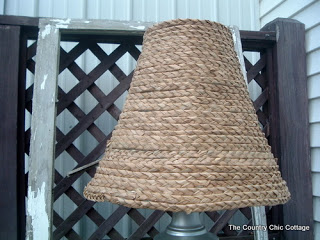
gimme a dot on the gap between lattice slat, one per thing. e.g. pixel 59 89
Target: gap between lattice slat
pixel 109 223
pixel 115 111
pixel 31 50
pixel 114 68
pixel 93 89
pixel 62 186
pixel 255 69
pixel 262 117
pixel 67 58
pixel 78 199
pixel 73 218
pixel 222 220
pixel 139 219
pixel 57 220
pixel 87 80
pixel 214 216
pixel 146 225
pixel 258 77
pixel 93 115
pixel 261 100
pixel 134 52
pixel 79 114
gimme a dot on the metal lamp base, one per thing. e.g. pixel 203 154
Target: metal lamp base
pixel 186 227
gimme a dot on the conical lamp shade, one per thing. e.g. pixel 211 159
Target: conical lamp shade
pixel 188 138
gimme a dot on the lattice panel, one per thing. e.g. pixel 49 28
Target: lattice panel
pixel 86 122
pixel 257 72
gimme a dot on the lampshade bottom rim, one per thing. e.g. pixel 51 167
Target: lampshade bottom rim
pixel 188 208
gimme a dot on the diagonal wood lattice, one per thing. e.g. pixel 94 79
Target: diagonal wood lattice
pixel 86 122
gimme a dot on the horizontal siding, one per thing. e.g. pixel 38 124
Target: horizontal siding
pixel 286 9
pixel 317 230
pixel 309 16
pixel 267 6
pixel 29 7
pixel 1 6
pixel 241 13
pixel 313 66
pixel 314 113
pixel 313 38
pixel 316 216
pixel 315 188
pixel 307 12
pixel 314 137
pixel 11 8
pixel 315 156
pixel 316 210
pixel 314 86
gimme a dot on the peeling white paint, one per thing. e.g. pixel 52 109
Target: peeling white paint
pixel 139 27
pixel 46 31
pixel 36 208
pixel 234 37
pixel 44 81
pixel 277 32
pixel 238 48
pixel 34 134
pixel 62 23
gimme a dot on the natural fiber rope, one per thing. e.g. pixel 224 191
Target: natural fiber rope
pixel 188 138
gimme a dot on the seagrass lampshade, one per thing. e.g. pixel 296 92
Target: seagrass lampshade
pixel 188 138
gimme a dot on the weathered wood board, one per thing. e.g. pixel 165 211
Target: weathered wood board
pixel 39 203
pixel 258 213
pixel 42 146
pixel 9 69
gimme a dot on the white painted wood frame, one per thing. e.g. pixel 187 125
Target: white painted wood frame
pixel 42 144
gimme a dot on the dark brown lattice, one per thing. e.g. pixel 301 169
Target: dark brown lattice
pixel 86 122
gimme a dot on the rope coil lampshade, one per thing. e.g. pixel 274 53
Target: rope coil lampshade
pixel 188 138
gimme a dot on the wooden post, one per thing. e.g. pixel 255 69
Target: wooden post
pixel 42 146
pixel 9 149
pixel 22 181
pixel 290 122
pixel 259 219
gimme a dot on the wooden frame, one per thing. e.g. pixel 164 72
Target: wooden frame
pixel 42 153
pixel 290 121
pixel 9 85
pixel 42 147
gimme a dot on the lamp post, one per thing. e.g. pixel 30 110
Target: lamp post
pixel 185 226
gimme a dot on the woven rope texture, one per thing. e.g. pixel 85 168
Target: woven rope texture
pixel 188 138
